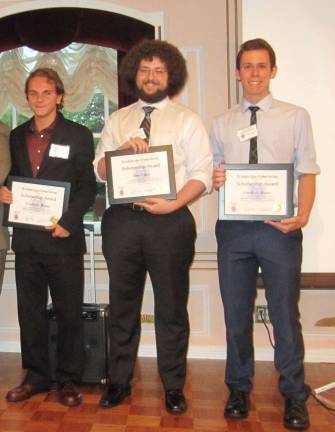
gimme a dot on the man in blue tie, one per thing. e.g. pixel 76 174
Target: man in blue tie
pixel 264 130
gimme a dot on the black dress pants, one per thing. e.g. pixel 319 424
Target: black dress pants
pixel 63 274
pixel 135 242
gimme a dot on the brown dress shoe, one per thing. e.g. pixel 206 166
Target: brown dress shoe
pixel 25 391
pixel 69 395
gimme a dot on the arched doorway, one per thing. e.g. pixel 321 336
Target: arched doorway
pixel 49 29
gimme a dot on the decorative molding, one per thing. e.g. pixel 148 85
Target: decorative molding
pixel 196 79
pixel 205 312
pixel 98 287
pixel 10 329
pixel 234 35
pixel 204 289
pixel 311 281
pixel 198 74
pixel 8 287
pixel 204 261
pixel 10 346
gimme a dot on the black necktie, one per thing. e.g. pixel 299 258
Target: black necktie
pixel 253 156
pixel 146 122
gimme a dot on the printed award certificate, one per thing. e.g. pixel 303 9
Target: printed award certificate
pixel 257 192
pixel 132 177
pixel 37 203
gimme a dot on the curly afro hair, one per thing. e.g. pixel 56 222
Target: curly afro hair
pixel 166 52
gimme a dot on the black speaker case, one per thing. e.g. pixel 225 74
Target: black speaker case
pixel 95 317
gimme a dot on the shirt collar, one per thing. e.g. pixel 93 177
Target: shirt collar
pixel 48 129
pixel 264 104
pixel 158 105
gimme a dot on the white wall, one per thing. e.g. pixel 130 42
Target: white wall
pixel 302 33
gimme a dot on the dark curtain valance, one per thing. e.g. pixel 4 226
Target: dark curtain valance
pixel 52 29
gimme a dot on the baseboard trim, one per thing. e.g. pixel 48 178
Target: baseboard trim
pixel 10 346
pixel 261 354
pixel 210 352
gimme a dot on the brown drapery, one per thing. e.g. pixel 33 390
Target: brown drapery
pixel 52 29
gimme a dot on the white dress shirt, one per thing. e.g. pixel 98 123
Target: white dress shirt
pixel 171 123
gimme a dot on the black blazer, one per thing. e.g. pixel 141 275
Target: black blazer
pixel 77 169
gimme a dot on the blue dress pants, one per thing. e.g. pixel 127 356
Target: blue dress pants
pixel 243 248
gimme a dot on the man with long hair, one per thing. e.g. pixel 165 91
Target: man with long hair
pixel 49 147
pixel 157 235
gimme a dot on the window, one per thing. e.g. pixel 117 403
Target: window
pixel 89 74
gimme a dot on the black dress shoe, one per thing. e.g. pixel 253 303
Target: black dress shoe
pixel 237 406
pixel 175 401
pixel 25 391
pixel 69 395
pixel 114 395
pixel 296 414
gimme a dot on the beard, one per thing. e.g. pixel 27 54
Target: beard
pixel 152 97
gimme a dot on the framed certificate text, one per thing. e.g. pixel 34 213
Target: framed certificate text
pixel 37 203
pixel 257 192
pixel 132 177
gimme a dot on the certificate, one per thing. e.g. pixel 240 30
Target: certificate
pixel 257 192
pixel 36 203
pixel 133 177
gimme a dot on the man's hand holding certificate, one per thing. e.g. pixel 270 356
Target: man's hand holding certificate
pixel 35 203
pixel 133 177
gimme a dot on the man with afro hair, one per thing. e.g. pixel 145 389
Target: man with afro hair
pixel 157 235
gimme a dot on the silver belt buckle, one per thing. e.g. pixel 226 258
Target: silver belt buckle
pixel 136 207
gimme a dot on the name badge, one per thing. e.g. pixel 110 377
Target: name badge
pixel 59 151
pixel 247 133
pixel 138 133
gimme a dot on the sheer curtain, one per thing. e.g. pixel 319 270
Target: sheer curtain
pixel 82 67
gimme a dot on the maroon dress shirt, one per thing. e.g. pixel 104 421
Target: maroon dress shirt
pixel 37 144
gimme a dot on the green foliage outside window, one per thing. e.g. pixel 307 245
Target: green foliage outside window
pixel 7 118
pixel 93 115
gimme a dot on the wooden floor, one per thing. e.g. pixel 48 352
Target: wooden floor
pixel 144 411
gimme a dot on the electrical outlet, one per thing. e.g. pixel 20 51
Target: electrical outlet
pixel 261 313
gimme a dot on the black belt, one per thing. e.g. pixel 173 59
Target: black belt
pixel 133 207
